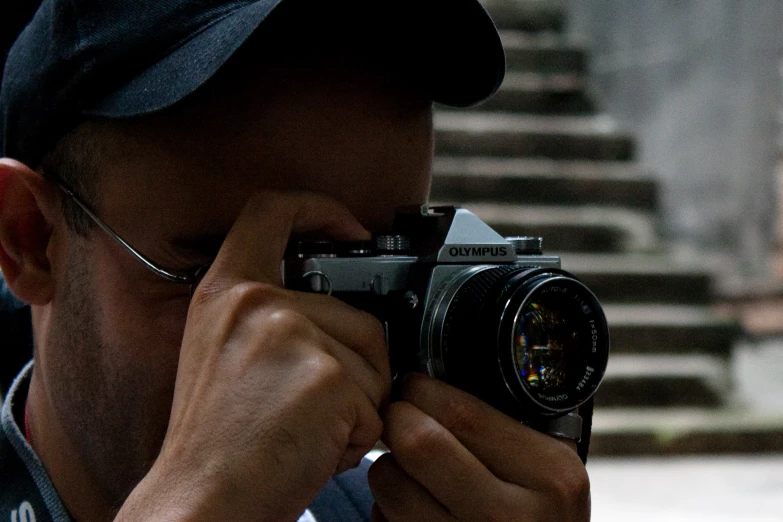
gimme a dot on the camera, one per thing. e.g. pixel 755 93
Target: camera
pixel 493 316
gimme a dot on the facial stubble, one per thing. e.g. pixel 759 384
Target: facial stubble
pixel 96 388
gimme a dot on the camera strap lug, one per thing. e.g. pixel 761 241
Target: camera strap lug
pixel 566 427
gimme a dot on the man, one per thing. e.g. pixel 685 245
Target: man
pixel 174 378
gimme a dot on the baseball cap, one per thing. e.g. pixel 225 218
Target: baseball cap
pixel 121 59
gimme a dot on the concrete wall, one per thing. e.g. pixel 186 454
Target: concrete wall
pixel 698 82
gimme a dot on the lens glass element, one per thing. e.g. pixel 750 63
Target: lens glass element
pixel 543 339
pixel 554 340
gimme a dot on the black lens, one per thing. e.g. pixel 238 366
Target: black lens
pixel 529 341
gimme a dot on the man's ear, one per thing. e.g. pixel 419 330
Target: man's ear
pixel 27 214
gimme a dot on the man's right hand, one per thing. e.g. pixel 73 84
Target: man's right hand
pixel 276 390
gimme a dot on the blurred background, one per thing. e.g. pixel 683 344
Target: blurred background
pixel 642 140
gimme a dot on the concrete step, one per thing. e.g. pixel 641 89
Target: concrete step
pixel 669 329
pixel 541 93
pixel 686 288
pixel 470 133
pixel 680 431
pixel 539 168
pixel 664 381
pixel 574 229
pixel 547 182
pixel 629 278
pixel 527 15
pixel 543 55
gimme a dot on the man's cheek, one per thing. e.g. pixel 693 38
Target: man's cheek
pixel 147 334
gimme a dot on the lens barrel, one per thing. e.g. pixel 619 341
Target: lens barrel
pixel 530 341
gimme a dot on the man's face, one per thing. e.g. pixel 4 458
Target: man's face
pixel 110 358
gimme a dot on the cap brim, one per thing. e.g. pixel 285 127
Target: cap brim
pixel 468 62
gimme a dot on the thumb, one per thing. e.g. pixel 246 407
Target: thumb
pixel 255 245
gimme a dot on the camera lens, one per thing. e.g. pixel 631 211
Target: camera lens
pixel 530 341
pixel 558 341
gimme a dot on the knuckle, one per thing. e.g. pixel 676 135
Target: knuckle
pixel 236 302
pixel 422 439
pixel 323 369
pixel 320 380
pixel 252 294
pixel 461 415
pixel 572 488
pixel 284 323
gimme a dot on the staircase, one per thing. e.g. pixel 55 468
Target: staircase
pixel 538 159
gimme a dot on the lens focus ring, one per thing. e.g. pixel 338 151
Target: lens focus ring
pixel 522 339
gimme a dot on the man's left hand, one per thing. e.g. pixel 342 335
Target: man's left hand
pixel 453 457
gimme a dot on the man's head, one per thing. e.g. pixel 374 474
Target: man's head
pixel 334 108
pixel 116 59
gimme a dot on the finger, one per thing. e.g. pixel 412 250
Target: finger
pixel 357 384
pixel 367 431
pixel 256 243
pixel 356 329
pixel 328 376
pixel 399 497
pixel 434 458
pixel 366 395
pixel 507 447
pixel 280 333
pixel 374 385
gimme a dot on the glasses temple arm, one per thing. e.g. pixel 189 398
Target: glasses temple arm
pixel 177 278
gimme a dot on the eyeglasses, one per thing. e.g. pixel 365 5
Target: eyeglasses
pixel 191 278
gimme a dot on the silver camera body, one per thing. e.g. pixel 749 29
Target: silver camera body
pixel 489 314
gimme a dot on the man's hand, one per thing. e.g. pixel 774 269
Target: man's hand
pixel 276 390
pixel 454 457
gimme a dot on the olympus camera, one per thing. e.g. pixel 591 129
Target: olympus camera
pixel 487 314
